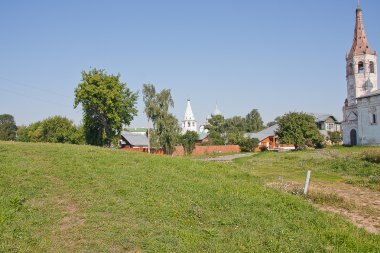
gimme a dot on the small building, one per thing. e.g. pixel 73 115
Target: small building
pixel 268 139
pixel 327 122
pixel 134 140
pixel 202 138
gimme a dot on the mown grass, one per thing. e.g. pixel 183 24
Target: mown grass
pixel 332 164
pixel 66 198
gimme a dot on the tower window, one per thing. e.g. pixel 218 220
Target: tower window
pixel 351 69
pixel 361 67
pixel 371 67
pixel 188 124
pixel 374 119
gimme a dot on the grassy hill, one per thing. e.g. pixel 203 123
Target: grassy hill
pixel 66 198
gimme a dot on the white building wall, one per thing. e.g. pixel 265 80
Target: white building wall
pixel 361 83
pixel 350 122
pixel 369 131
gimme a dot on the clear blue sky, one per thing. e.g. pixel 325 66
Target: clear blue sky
pixel 273 55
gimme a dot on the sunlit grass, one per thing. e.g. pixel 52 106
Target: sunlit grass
pixel 66 198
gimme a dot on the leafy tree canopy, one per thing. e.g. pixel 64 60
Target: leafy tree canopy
pixel 254 121
pixel 107 104
pixel 274 122
pixel 335 137
pixel 8 127
pixel 248 144
pixel 217 130
pixel 165 125
pixel 55 129
pixel 188 141
pixel 299 129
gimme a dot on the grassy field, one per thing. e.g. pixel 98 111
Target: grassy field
pixel 66 198
pixel 333 164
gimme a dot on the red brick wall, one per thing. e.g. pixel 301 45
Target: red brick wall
pixel 152 151
pixel 208 150
pixel 198 150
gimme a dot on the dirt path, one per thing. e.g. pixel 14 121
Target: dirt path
pixel 227 158
pixel 359 205
pixel 364 208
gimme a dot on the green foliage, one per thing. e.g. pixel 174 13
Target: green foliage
pixel 299 129
pixel 66 198
pixel 372 156
pixel 331 164
pixel 167 130
pixel 235 124
pixel 248 144
pixel 217 130
pixel 231 131
pixel 188 141
pixel 59 129
pixel 235 137
pixel 335 137
pixel 254 122
pixel 107 104
pixel 165 125
pixel 272 123
pixel 55 129
pixel 22 134
pixel 8 127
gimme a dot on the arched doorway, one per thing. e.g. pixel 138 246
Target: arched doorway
pixel 353 137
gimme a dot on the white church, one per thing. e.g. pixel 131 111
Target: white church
pixel 190 124
pixel 361 109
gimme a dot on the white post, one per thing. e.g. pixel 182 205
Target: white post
pixel 307 182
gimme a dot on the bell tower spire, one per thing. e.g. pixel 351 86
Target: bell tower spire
pixel 361 63
pixel 360 43
pixel 189 123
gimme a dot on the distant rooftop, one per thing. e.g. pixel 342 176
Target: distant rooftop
pixel 269 131
pixel 135 139
pixel 136 129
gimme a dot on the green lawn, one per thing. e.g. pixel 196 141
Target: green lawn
pixel 67 198
pixel 333 164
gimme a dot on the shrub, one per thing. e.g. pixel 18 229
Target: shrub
pixel 372 156
pixel 248 144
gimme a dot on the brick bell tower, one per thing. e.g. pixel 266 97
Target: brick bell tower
pixel 361 64
pixel 361 76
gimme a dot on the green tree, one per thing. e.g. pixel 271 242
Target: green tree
pixel 8 127
pixel 22 134
pixel 59 129
pixel 236 123
pixel 149 98
pixel 299 129
pixel 107 104
pixel 35 132
pixel 248 144
pixel 254 122
pixel 335 137
pixel 55 129
pixel 167 130
pixel 217 130
pixel 188 141
pixel 274 122
pixel 165 125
